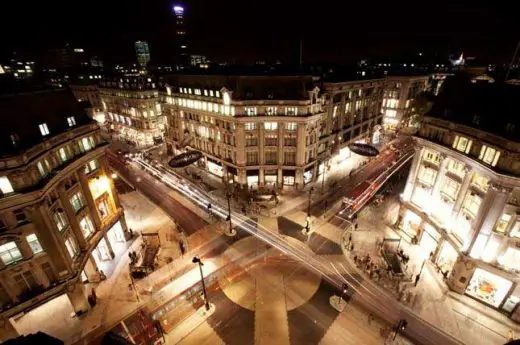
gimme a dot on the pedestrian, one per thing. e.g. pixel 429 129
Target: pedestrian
pixel 350 238
pixel 94 294
pixel 417 277
pixel 355 226
pixel 326 204
pixel 370 318
pixel 510 335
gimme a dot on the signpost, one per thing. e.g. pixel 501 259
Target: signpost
pixel 185 159
pixel 363 149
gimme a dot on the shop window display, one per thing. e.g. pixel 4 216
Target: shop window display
pixel 488 287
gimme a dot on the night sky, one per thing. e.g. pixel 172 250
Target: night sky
pixel 336 31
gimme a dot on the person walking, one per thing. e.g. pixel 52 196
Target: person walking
pixel 417 277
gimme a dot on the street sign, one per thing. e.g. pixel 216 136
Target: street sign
pixel 185 159
pixel 363 149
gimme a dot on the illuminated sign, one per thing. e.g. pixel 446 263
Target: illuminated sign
pixel 363 149
pixel 178 9
pixel 185 159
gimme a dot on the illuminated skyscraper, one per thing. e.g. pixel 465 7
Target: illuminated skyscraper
pixel 142 52
pixel 181 46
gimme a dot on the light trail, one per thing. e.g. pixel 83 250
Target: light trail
pixel 202 199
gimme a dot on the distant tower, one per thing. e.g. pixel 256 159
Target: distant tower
pixel 142 52
pixel 181 45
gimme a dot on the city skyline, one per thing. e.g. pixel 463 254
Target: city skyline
pixel 233 31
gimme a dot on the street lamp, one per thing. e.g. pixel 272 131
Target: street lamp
pixel 308 219
pixel 196 260
pixel 231 231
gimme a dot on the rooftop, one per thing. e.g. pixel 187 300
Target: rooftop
pixel 490 107
pixel 22 113
pixel 249 86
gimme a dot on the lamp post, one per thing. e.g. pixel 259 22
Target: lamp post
pixel 231 231
pixel 308 219
pixel 196 260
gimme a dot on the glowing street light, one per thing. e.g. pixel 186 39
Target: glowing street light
pixel 114 176
pixel 196 260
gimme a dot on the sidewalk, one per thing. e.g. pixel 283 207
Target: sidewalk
pixel 459 315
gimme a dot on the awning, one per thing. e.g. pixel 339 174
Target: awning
pixel 214 161
pixel 252 172
pixel 271 172
pixel 309 168
pixel 289 172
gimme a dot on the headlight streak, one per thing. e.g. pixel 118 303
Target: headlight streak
pixel 277 241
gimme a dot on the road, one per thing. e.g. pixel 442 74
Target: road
pixel 379 302
pixel 159 194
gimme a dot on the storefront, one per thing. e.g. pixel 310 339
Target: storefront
pixel 232 174
pixel 252 178
pixel 288 177
pixel 512 301
pixel 116 234
pixel 446 257
pixel 429 241
pixel 376 136
pixel 270 178
pixel 421 196
pixel 321 168
pixel 411 224
pixel 307 175
pixel 343 155
pixel 215 168
pixel 488 287
pixel 101 252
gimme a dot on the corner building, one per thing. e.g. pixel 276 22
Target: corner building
pixel 60 216
pixel 269 131
pixel 462 198
pixel 133 113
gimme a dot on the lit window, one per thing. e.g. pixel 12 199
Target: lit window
pixel 515 231
pixel 480 182
pixel 217 94
pixel 392 113
pixel 270 111
pixel 291 111
pixel 91 166
pixel 271 126
pixel 250 111
pixel 77 202
pixel 211 93
pixel 62 154
pixel 205 92
pixel 44 130
pixel 71 246
pixel 35 245
pixel 290 126
pixel 427 175
pixel 5 185
pixel 432 157
pixel 10 253
pixel 86 227
pixel 334 111
pixel 60 219
pixel 502 223
pixel 450 189
pixel 462 144
pixel 71 121
pixel 86 144
pixel 472 204
pixel 455 167
pixel 250 126
pixel 43 167
pixel 189 91
pixel 489 155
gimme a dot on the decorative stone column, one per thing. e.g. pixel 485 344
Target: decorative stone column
pixel 92 270
pixel 441 173
pixel 85 189
pixel 109 245
pixel 490 211
pixel 23 246
pixel 461 274
pixel 463 189
pixel 77 296
pixel 410 183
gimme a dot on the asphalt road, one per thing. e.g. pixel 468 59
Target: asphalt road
pixel 159 194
